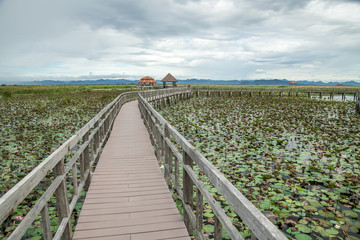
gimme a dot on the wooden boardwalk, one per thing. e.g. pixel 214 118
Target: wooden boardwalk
pixel 128 198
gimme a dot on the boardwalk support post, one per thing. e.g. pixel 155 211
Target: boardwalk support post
pixel 167 157
pixel 217 229
pixel 199 210
pixel 62 203
pixel 45 222
pixel 188 193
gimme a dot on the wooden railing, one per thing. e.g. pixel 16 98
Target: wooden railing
pixel 314 89
pixel 233 93
pixel 84 148
pixel 175 152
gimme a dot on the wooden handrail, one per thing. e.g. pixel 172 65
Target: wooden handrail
pixel 163 134
pixel 280 93
pixel 90 139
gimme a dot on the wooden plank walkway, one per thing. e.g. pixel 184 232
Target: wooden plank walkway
pixel 128 198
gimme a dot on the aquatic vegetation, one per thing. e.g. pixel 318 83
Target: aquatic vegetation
pixel 296 157
pixel 31 128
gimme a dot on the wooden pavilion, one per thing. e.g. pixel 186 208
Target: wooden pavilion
pixel 169 78
pixel 340 84
pixel 292 83
pixel 147 81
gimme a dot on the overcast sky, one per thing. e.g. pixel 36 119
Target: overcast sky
pixel 216 39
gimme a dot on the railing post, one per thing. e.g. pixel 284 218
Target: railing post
pixel 217 229
pixel 188 192
pixel 75 179
pixel 86 161
pixel 62 202
pixel 177 180
pixel 167 156
pixel 199 210
pixel 45 222
pixel 96 141
pixel 309 94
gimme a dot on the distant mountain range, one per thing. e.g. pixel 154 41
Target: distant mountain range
pixel 193 82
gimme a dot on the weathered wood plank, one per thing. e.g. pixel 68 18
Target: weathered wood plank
pixel 45 222
pixel 188 191
pixel 199 210
pixel 217 229
pixel 62 203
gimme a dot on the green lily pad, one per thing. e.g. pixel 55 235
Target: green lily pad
pixel 350 213
pixel 208 214
pixel 303 228
pixel 302 236
pixel 310 208
pixel 314 203
pixel 357 224
pixel 326 214
pixel 332 231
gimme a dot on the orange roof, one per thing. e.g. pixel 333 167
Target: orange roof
pixel 340 84
pixel 294 83
pixel 147 79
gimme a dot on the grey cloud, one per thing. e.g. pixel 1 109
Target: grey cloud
pixel 193 36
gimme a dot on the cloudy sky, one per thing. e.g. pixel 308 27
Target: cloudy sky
pixel 213 39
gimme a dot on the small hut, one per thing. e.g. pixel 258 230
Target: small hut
pixel 169 78
pixel 340 84
pixel 292 83
pixel 147 81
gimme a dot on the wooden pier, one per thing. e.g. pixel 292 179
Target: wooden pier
pixel 112 158
pixel 128 197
